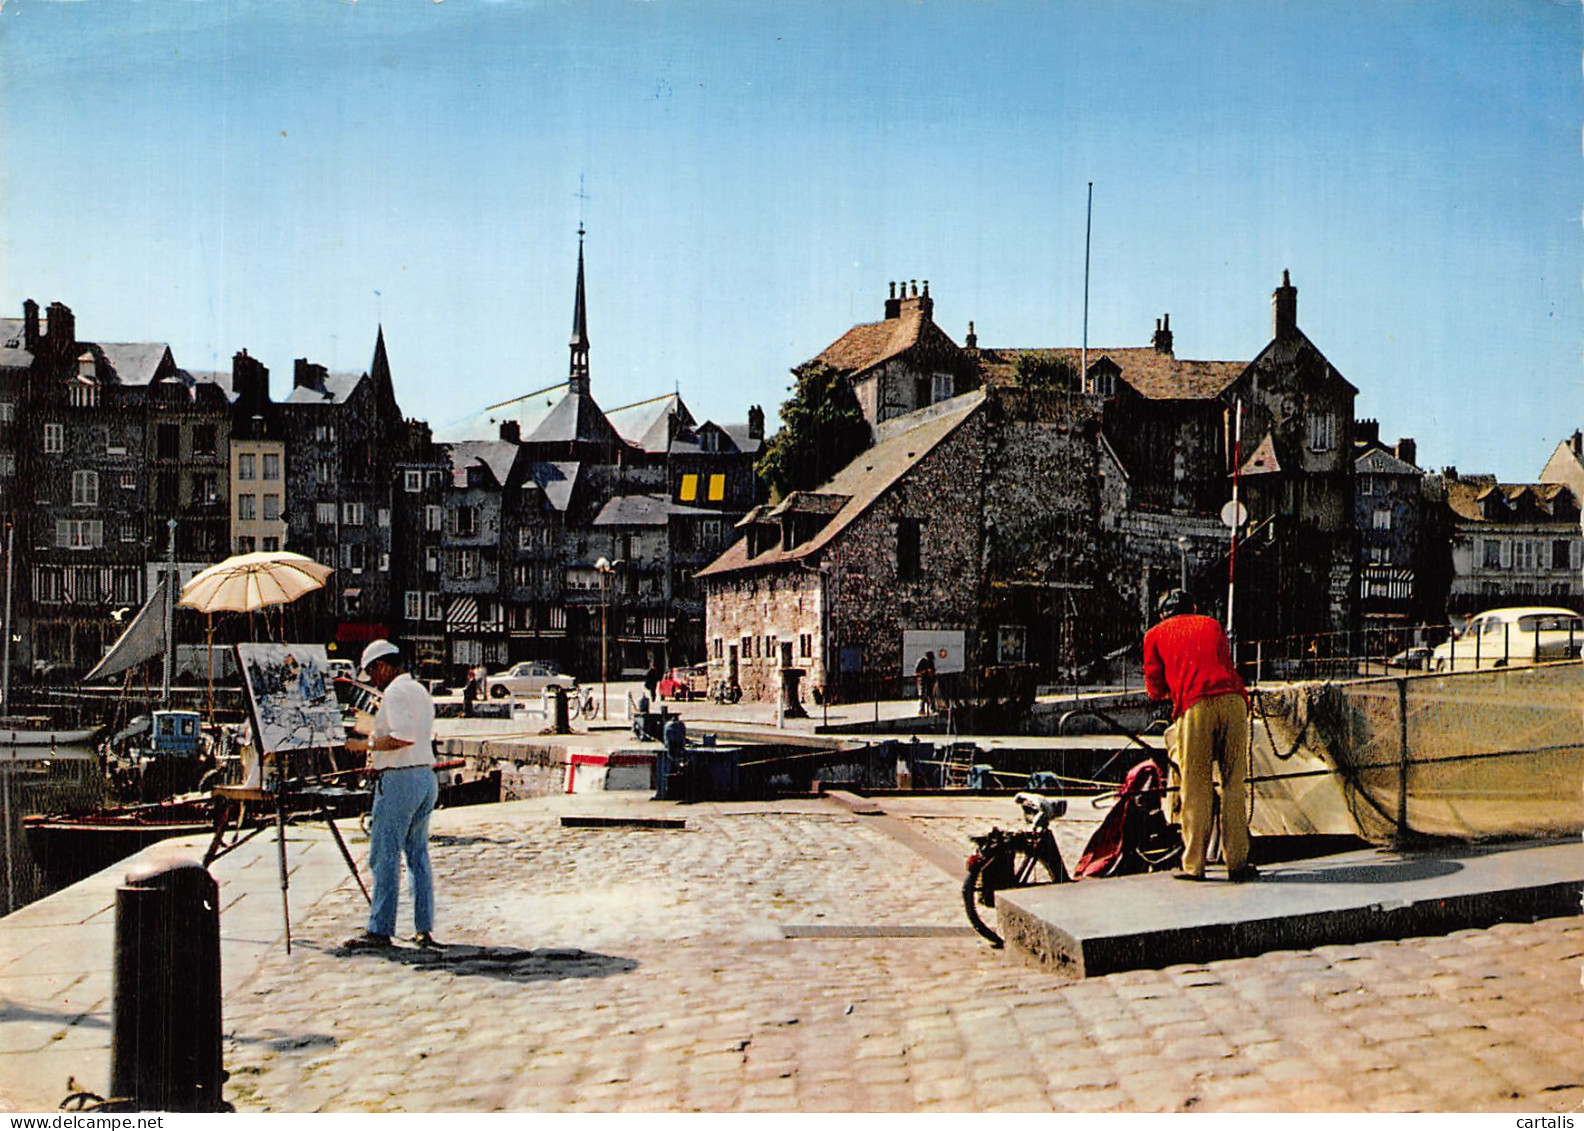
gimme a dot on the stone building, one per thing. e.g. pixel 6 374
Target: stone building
pixel 1512 544
pixel 1403 565
pixel 257 468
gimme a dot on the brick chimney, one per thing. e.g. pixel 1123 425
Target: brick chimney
pixel 1366 431
pixel 249 381
pixel 511 431
pixel 1162 341
pixel 971 342
pixel 893 305
pixel 30 325
pixel 60 334
pixel 1408 451
pixel 755 422
pixel 1576 442
pixel 1284 307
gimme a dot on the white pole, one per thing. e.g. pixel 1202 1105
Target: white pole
pixel 1083 376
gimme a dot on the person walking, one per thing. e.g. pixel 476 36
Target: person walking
pixel 401 756
pixel 924 670
pixel 651 681
pixel 1188 659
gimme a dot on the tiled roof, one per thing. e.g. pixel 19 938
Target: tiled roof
pixel 1467 497
pixel 861 482
pixel 1154 375
pixel 868 344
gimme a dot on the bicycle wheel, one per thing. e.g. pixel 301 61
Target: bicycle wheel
pixel 1011 866
pixel 574 705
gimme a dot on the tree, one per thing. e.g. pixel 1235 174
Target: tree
pixel 1045 374
pixel 822 430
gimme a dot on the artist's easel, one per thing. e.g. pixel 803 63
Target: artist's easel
pixel 231 804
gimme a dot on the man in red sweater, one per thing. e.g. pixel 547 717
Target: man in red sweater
pixel 1188 660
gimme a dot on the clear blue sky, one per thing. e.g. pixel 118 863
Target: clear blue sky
pixel 222 175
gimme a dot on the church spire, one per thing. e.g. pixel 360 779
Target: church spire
pixel 578 379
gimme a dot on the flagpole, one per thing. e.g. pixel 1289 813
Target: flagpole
pixel 1083 376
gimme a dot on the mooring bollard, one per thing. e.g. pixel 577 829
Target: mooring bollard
pixel 165 1050
pixel 560 721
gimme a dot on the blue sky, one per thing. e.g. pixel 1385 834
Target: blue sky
pixel 283 177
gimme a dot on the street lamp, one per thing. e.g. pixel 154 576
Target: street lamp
pixel 605 568
pixel 1182 546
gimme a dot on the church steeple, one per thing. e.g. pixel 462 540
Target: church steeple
pixel 578 379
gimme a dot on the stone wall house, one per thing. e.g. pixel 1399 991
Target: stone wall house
pixel 1566 466
pixel 1402 568
pixel 258 465
pixel 1512 544
pixel 473 542
pixel 422 482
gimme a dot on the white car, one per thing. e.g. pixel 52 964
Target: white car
pixel 528 678
pixel 1500 638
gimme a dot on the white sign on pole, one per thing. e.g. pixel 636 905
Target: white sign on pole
pixel 946 646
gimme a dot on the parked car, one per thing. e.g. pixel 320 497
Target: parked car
pixel 528 678
pixel 1415 659
pixel 1500 638
pixel 685 683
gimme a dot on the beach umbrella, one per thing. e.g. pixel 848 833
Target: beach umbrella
pixel 247 582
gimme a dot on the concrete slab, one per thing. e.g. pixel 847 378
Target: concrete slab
pixel 1153 921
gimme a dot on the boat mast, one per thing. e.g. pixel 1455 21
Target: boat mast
pixel 170 610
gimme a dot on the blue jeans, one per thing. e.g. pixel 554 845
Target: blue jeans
pixel 399 826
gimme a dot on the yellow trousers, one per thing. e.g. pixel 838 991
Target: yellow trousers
pixel 1212 737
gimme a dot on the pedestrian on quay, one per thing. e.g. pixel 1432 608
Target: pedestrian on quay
pixel 924 670
pixel 401 757
pixel 1188 659
pixel 651 681
pixel 470 689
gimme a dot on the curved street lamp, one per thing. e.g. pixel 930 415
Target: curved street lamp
pixel 605 567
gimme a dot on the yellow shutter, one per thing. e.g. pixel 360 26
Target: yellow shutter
pixel 717 488
pixel 689 488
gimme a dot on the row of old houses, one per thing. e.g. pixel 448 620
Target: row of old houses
pixel 1017 508
pixel 998 521
pixel 568 533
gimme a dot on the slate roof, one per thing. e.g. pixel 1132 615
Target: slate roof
pixel 497 455
pixel 131 363
pixel 338 387
pixel 646 510
pixel 861 482
pixel 12 353
pixel 647 423
pixel 556 479
pixel 1152 374
pixel 742 438
pixel 1378 461
pixel 574 419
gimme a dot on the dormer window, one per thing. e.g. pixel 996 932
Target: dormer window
pixel 87 368
pixel 709 440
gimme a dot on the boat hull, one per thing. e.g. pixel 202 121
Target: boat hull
pixel 1466 755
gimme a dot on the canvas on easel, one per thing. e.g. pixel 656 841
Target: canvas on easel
pixel 290 696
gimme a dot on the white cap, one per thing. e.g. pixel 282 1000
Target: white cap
pixel 377 650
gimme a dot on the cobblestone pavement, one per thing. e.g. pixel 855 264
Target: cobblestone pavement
pixel 639 970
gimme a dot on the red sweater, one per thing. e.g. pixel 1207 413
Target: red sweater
pixel 1186 659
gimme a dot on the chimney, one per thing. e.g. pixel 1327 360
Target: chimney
pixel 511 431
pixel 755 422
pixel 1408 451
pixel 1366 430
pixel 249 381
pixel 30 325
pixel 61 332
pixel 893 305
pixel 307 375
pixel 1576 441
pixel 972 340
pixel 926 304
pixel 1449 473
pixel 1284 304
pixel 1162 341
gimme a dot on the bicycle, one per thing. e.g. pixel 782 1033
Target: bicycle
pixel 1013 859
pixel 581 702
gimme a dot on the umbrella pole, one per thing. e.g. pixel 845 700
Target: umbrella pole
pixel 209 632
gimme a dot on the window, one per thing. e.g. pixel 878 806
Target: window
pixel 54 439
pixel 1559 554
pixel 689 490
pixel 413 481
pixel 720 648
pixel 324 433
pixel 1524 555
pixel 85 488
pixel 79 534
pixel 7 465
pixel 272 468
pixel 431 560
pixel 324 471
pixel 272 511
pixel 84 394
pixel 384 563
pixel 1366 485
pixel 433 610
pixel 466 521
pixel 246 544
pixel 945 388
pixel 465 564
pixel 205 488
pixel 1322 431
pixel 717 488
pixel 47 587
pixel 1492 559
pixel 247 508
pixel 907 549
pixel 203 439
pixel 745 647
pixel 325 513
pixel 128 481
pixel 1010 643
pixel 247 464
pixel 352 556
pixel 272 543
pixel 382 516
pixel 7 412
pixel 434 518
pixel 352 514
pixel 167 441
pixel 805 645
pixel 412 604
pixel 1383 519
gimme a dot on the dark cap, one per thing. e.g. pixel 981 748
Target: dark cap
pixel 1174 602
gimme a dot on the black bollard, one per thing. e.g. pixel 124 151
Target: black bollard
pixel 560 721
pixel 165 1032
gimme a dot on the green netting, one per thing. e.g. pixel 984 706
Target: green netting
pixel 1471 755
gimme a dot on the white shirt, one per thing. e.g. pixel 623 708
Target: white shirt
pixel 407 713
